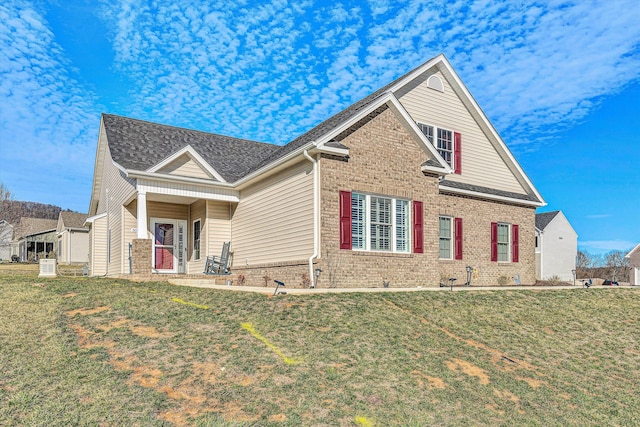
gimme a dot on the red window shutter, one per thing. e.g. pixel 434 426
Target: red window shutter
pixel 457 152
pixel 345 220
pixel 458 237
pixel 494 241
pixel 514 243
pixel 418 234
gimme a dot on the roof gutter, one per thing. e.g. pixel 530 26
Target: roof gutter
pixel 316 237
pixel 491 196
pixel 131 173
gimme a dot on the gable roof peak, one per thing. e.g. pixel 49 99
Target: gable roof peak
pixel 544 218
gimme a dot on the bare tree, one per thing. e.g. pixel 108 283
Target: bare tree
pixel 5 202
pixel 583 262
pixel 618 265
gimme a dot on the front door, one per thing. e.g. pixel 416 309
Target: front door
pixel 169 245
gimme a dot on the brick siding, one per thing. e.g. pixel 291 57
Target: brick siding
pixel 385 160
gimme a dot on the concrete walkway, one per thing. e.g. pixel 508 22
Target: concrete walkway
pixel 302 291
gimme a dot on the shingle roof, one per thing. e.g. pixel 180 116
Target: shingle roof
pixel 73 219
pixel 235 158
pixel 232 158
pixel 139 145
pixel 487 190
pixel 543 219
pixel 29 226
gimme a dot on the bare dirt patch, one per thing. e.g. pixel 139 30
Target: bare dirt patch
pixel 469 369
pixel 147 331
pixel 534 383
pixel 278 418
pixel 498 358
pixel 87 311
pixel 70 295
pixel 431 382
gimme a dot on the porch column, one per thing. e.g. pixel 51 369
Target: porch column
pixel 142 215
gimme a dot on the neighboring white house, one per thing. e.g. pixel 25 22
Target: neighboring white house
pixel 634 261
pixel 73 238
pixel 6 235
pixel 556 246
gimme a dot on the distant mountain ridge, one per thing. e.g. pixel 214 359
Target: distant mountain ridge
pixel 13 210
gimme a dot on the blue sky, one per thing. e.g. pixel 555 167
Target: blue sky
pixel 560 80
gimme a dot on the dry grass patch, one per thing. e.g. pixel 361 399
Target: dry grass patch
pixel 482 358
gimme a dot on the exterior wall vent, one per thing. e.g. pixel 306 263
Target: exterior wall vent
pixel 434 82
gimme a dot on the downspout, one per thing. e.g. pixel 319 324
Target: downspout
pixel 316 191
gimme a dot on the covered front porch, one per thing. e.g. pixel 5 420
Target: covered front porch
pixel 171 231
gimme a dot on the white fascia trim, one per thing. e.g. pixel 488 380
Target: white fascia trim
pixel 441 61
pixel 333 150
pixel 193 154
pixel 418 71
pixel 136 174
pixel 435 170
pixel 314 144
pixel 319 144
pixel 398 108
pixel 119 167
pixel 97 166
pixel 632 251
pixel 92 219
pixel 395 106
pixel 490 196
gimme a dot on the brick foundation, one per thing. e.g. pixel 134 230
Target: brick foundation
pixel 294 274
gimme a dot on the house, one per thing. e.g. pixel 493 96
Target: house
pixel 6 235
pixel 556 247
pixel 406 187
pixel 634 262
pixel 73 238
pixel 34 238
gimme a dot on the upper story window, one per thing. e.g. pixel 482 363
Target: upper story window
pixel 447 142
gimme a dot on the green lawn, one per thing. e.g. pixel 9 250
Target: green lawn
pixel 77 351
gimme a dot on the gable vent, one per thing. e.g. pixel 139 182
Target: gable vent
pixel 434 82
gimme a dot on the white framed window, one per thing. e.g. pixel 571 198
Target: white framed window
pixel 197 228
pixel 503 242
pixel 440 138
pixel 446 237
pixel 379 223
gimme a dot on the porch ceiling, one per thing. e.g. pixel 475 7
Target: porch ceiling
pixel 167 198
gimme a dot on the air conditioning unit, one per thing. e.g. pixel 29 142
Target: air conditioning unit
pixel 47 267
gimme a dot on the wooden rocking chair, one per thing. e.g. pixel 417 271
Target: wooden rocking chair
pixel 218 265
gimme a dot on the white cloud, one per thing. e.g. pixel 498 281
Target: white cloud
pixel 271 70
pixel 599 216
pixel 221 66
pixel 48 122
pixel 600 246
